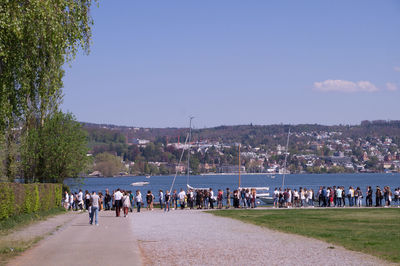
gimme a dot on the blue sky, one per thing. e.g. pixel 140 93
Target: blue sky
pixel 228 62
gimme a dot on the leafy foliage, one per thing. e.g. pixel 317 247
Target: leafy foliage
pixel 28 198
pixel 37 38
pixel 55 151
pixel 108 164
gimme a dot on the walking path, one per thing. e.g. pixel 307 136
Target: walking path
pixel 78 243
pixel 179 238
pixel 198 238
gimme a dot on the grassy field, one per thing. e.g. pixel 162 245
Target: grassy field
pixel 372 231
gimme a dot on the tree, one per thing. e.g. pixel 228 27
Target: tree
pixel 37 38
pixel 108 164
pixel 56 151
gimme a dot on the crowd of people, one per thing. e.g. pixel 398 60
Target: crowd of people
pixel 239 198
pixel 336 197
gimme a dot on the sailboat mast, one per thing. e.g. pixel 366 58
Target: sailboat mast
pixel 239 165
pixel 188 159
pixel 286 155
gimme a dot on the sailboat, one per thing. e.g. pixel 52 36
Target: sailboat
pixel 187 146
pixel 266 198
pixel 261 192
pixel 188 158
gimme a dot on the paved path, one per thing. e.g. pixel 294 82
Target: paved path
pixel 78 243
pixel 180 238
pixel 38 229
pixel 198 238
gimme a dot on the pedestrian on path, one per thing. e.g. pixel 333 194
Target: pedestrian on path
pixel 138 199
pixel 161 198
pixel 66 200
pixel 149 200
pixel 126 203
pixel 167 200
pixel 94 201
pixel 118 197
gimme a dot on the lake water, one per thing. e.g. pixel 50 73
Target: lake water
pixel 224 181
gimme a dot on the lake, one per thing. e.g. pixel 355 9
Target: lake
pixel 224 181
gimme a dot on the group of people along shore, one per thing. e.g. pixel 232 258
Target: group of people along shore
pixel 335 196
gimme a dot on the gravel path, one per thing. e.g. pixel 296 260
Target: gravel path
pixel 78 243
pixel 198 238
pixel 39 229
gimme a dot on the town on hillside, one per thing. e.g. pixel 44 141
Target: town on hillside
pixel 368 147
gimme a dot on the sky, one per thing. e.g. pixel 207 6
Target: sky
pixel 229 62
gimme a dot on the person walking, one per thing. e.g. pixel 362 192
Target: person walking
pixel 149 200
pixel 94 205
pixel 87 199
pixel 182 196
pixel 66 200
pixel 117 198
pixel 126 203
pixel 138 199
pixel 71 201
pixel 80 200
pixel 107 200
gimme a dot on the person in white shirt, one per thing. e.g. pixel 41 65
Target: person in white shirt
pixel 80 199
pixel 118 197
pixel 310 196
pixel 182 196
pixel 211 198
pixel 295 198
pixel 71 201
pixel 126 203
pixel 138 199
pixel 303 197
pixel 66 200
pixel 161 198
pixel 94 205
pixel 276 197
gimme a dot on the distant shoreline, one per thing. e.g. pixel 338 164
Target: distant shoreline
pixel 227 174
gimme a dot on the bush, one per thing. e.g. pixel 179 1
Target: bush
pixel 28 198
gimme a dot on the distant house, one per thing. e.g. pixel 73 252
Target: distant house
pixel 140 142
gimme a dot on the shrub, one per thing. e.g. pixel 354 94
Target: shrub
pixel 28 198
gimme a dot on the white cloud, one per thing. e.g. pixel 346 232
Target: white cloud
pixel 344 86
pixel 391 86
pixel 396 68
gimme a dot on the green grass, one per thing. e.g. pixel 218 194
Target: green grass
pixel 372 231
pixel 18 221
